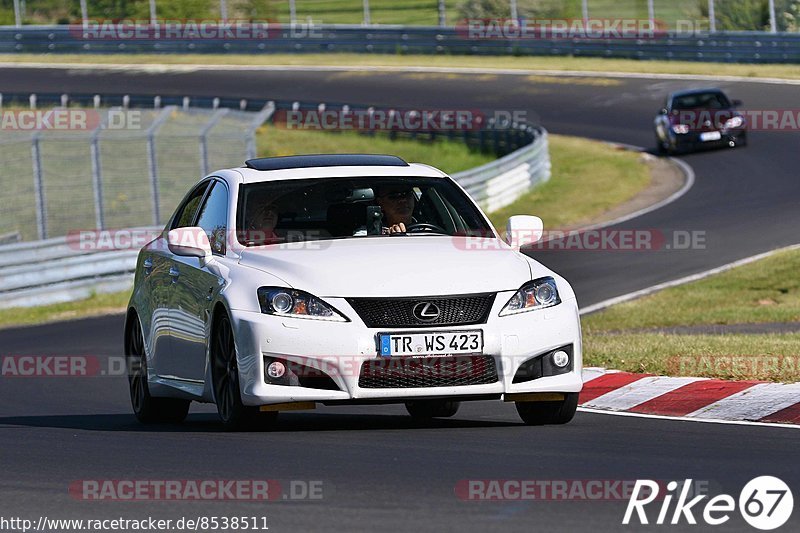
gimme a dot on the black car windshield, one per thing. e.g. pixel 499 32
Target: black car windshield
pixel 336 208
pixel 709 100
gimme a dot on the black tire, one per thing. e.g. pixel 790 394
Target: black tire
pixel 148 410
pixel 660 148
pixel 234 414
pixel 426 409
pixel 742 140
pixel 541 413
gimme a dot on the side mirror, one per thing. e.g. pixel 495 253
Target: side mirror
pixel 662 111
pixel 522 230
pixel 189 242
pixel 736 103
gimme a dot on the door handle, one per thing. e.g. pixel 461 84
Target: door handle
pixel 148 266
pixel 174 273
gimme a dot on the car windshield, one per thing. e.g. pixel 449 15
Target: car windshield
pixel 709 100
pixel 318 209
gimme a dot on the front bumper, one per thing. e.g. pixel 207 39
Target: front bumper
pixel 340 348
pixel 692 141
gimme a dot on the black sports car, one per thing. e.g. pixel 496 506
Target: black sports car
pixel 699 118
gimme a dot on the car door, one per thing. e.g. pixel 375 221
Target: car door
pixel 196 286
pixel 154 272
pixel 163 280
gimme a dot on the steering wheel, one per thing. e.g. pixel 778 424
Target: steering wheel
pixel 423 226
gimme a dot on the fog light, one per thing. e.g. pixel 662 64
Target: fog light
pixel 560 358
pixel 276 370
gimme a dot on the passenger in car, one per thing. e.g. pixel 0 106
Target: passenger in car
pixel 261 221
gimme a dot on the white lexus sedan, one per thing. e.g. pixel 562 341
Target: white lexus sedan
pixel 346 279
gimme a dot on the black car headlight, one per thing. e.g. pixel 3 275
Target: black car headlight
pixel 536 294
pixel 280 301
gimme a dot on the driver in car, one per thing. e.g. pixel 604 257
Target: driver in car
pixel 397 203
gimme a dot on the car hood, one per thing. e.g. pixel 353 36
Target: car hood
pixel 395 266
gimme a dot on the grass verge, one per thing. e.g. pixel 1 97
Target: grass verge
pixel 95 305
pixel 450 156
pixel 625 336
pixel 599 65
pixel 613 176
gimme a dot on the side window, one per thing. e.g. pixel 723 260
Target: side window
pixel 188 209
pixel 214 217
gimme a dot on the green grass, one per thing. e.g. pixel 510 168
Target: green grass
pixel 98 304
pixel 764 291
pixel 773 357
pixel 599 65
pixel 579 165
pixel 450 156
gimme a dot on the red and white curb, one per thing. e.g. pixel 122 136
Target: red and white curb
pixel 700 399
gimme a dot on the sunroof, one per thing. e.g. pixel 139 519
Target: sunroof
pixel 325 160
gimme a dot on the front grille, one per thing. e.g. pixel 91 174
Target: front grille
pixel 399 312
pixel 410 373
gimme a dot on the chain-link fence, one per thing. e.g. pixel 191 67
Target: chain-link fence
pixel 66 169
pixel 681 15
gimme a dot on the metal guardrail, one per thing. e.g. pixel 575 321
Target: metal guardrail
pixel 60 269
pixel 499 183
pixel 744 47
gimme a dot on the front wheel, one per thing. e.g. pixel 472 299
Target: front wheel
pixel 425 409
pixel 234 414
pixel 148 409
pixel 661 149
pixel 541 413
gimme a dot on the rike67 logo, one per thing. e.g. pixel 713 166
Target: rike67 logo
pixel 765 503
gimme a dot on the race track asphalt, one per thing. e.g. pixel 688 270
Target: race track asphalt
pixel 379 469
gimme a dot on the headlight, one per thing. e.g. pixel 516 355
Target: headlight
pixel 734 122
pixel 289 302
pixel 680 128
pixel 536 294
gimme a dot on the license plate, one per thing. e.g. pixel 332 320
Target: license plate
pixel 710 136
pixel 431 343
